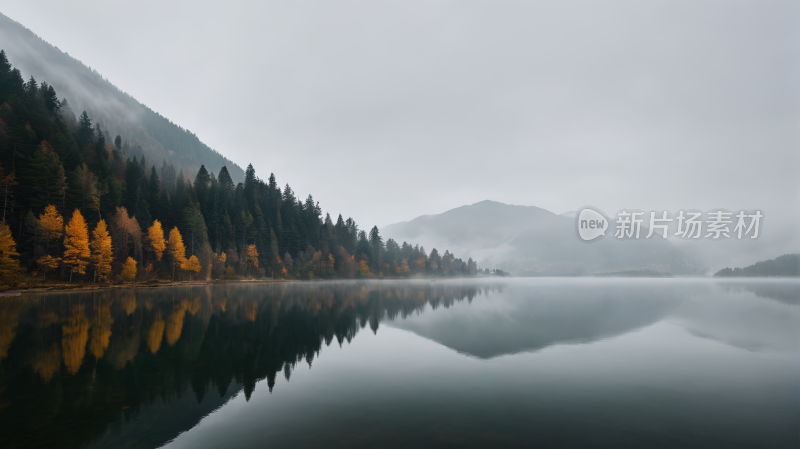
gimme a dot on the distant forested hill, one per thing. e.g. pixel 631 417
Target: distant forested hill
pixel 786 265
pixel 148 133
pixel 529 241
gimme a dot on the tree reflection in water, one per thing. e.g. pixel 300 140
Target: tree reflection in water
pixel 72 362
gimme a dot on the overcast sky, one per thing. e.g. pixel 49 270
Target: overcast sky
pixel 386 110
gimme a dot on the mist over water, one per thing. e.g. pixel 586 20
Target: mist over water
pixel 511 362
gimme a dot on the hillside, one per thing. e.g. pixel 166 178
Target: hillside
pixel 78 207
pixel 148 133
pixel 784 266
pixel 527 240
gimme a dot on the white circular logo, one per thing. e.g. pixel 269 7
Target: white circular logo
pixel 591 224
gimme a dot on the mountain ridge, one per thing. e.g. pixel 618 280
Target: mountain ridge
pixel 528 240
pixel 148 133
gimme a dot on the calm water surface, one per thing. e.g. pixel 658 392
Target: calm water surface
pixel 483 363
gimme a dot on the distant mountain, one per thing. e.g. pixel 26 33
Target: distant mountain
pixel 527 240
pixel 148 133
pixel 786 265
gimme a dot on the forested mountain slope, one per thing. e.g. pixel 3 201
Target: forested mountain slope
pixel 787 265
pixel 75 203
pixel 147 133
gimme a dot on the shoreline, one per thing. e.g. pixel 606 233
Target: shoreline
pixel 62 288
pixel 66 287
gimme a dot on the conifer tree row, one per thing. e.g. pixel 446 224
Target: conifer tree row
pixel 75 203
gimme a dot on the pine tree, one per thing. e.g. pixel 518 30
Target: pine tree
pixel 50 99
pixel 155 239
pixel 85 132
pixel 102 251
pixel 76 244
pixel 250 186
pixel 376 242
pixel 201 183
pixel 153 191
pixel 225 180
pixel 273 245
pixel 44 177
pixel 6 183
pixel 9 257
pixel 31 86
pixel 5 76
pixel 198 232
pixel 176 250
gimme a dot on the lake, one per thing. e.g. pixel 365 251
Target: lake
pixel 553 362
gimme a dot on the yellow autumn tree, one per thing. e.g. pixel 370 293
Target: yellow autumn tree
pixel 363 268
pixel 192 265
pixel 129 269
pixel 155 239
pixel 48 263
pixel 52 225
pixel 102 252
pixel 251 258
pixel 176 250
pixel 9 262
pixel 76 245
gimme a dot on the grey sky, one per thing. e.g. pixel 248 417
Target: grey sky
pixel 386 110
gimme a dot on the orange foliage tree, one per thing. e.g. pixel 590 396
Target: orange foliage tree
pixel 9 263
pixel 155 239
pixel 176 250
pixel 251 258
pixel 129 269
pixel 48 263
pixel 102 252
pixel 192 265
pixel 52 225
pixel 76 245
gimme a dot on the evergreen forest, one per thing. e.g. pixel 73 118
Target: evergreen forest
pixel 77 207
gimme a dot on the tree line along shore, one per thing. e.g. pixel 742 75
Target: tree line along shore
pixel 79 206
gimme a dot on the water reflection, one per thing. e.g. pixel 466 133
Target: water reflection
pixel 520 319
pixel 89 356
pixel 138 367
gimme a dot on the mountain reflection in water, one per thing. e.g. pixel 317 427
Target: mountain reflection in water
pixel 135 368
